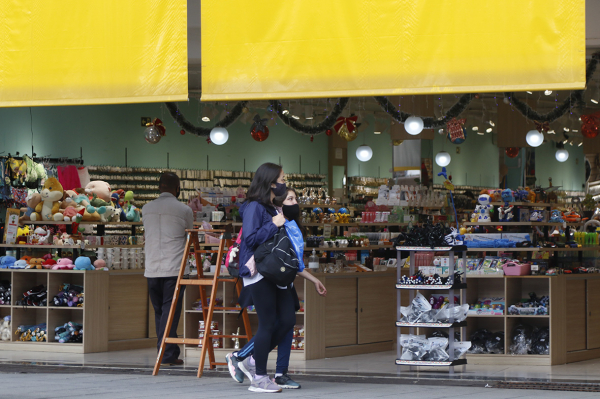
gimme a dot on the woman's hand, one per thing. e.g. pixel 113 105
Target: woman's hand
pixel 279 220
pixel 321 290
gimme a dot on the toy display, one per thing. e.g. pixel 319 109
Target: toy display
pixel 532 306
pixel 505 213
pixel 483 210
pixel 488 307
pixel 35 333
pixel 433 349
pixel 426 235
pixel 83 263
pixel 51 195
pixel 36 296
pixel 507 195
pixel 422 311
pixel 528 340
pixel 436 279
pixel 70 295
pixel 69 332
pixel 483 341
pixel 5 328
pixel 5 292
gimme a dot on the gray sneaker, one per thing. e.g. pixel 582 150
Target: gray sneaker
pixel 286 382
pixel 234 369
pixel 247 368
pixel 264 384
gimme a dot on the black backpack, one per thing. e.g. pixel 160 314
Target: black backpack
pixel 277 260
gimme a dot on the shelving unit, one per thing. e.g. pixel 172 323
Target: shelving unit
pixel 462 285
pixel 93 315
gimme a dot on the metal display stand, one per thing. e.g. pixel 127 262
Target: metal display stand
pixel 451 325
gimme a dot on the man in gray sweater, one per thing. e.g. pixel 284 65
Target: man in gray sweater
pixel 165 222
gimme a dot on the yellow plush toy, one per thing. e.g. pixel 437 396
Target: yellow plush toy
pixel 48 209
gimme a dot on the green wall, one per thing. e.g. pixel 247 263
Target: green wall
pixel 569 174
pixel 104 131
pixel 381 162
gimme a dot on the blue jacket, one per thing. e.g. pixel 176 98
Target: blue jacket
pixel 257 228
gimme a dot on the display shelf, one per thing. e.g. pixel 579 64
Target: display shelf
pixel 533 249
pixel 43 222
pixel 33 246
pixel 509 224
pixel 431 325
pixel 336 206
pixel 532 204
pixel 528 316
pixel 367 248
pixel 486 316
pixel 458 248
pixel 456 362
pixel 65 307
pixel 460 286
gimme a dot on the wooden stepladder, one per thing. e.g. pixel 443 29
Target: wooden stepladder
pixel 208 306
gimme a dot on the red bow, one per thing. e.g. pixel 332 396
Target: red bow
pixel 349 122
pixel 542 127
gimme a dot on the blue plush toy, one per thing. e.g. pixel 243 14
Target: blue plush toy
pixel 7 262
pixel 83 263
pixel 521 195
pixel 507 195
pixel 556 217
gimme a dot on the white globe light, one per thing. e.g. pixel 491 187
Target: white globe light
pixel 562 155
pixel 364 153
pixel 534 138
pixel 413 125
pixel 219 135
pixel 442 158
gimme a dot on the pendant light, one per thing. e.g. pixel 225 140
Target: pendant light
pixel 413 125
pixel 219 135
pixel 364 153
pixel 561 154
pixel 442 158
pixel 534 138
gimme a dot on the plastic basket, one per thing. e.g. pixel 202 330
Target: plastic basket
pixel 517 269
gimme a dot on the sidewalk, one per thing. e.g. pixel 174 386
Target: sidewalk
pixel 60 386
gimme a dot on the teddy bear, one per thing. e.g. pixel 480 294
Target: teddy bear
pixel 107 215
pixel 32 201
pixel 35 263
pixel 63 264
pixel 83 263
pixel 48 208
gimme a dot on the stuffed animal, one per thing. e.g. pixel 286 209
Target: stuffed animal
pixel 530 194
pixel 521 195
pixel 556 216
pixel 100 188
pixel 507 195
pixel 7 262
pixel 127 199
pixel 22 233
pixel 40 236
pixel 63 264
pixel 51 194
pixel 496 195
pixel 32 201
pixel 133 214
pixel 26 258
pixel 20 264
pixel 116 200
pixel 83 263
pixel 100 264
pixel 48 263
pixel 69 214
pixel 108 214
pixel 35 263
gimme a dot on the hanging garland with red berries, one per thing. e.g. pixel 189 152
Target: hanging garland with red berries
pixel 322 127
pixel 205 131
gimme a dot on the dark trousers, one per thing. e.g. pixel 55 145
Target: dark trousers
pixel 161 290
pixel 276 318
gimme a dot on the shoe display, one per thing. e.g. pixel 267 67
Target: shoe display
pixel 233 365
pixel 265 385
pixel 286 382
pixel 247 368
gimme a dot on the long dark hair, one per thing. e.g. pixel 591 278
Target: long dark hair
pixel 260 188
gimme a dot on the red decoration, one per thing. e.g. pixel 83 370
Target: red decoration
pixel 182 132
pixel 346 127
pixel 259 132
pixel 329 132
pixel 589 125
pixel 512 152
pixel 312 138
pixel 455 129
pixel 159 125
pixel 542 127
pixel 208 141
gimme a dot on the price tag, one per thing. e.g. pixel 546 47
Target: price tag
pixel 535 268
pixel 327 231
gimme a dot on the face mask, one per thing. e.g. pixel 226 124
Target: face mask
pixel 291 212
pixel 279 190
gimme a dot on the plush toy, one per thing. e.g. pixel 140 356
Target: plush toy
pixel 484 208
pixel 100 188
pixel 63 264
pixel 20 264
pixel 26 258
pixel 133 214
pixel 32 201
pixel 116 200
pixel 83 263
pixel 108 214
pixel 100 264
pixel 507 195
pixel 35 263
pixel 556 216
pixel 536 216
pixel 530 194
pixel 496 195
pixel 40 236
pixel 49 263
pixel 51 195
pixel 127 199
pixel 22 233
pixel 7 262
pixel 521 195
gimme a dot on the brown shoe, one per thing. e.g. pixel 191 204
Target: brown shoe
pixel 176 362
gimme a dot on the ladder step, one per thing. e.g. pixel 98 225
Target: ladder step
pixel 227 308
pixel 196 282
pixel 218 364
pixel 194 341
pixel 228 336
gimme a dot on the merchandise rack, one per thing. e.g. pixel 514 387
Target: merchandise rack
pixel 462 285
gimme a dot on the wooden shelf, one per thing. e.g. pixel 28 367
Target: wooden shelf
pixel 432 325
pixel 36 246
pixel 531 204
pixel 457 362
pixel 64 307
pixel 431 287
pixel 458 248
pixel 327 249
pixel 42 222
pixel 529 316
pixel 533 249
pixel 509 224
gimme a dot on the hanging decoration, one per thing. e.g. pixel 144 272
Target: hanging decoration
pixel 542 127
pixel 204 131
pixel 260 131
pixel 589 125
pixel 512 152
pixel 325 125
pixel 182 132
pixel 329 132
pixel 397 142
pixel 312 138
pixel 154 131
pixel 346 127
pixel 457 133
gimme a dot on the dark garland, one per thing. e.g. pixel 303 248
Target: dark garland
pixel 575 99
pixel 205 131
pixel 326 124
pixel 428 122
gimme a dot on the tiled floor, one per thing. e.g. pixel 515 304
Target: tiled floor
pixel 376 364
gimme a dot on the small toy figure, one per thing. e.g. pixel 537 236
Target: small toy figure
pixel 556 216
pixel 536 216
pixel 505 213
pixel 236 340
pixel 484 208
pixel 507 195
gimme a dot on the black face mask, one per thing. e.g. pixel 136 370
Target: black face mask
pixel 279 190
pixel 291 212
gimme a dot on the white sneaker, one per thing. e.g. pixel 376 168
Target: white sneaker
pixel 264 385
pixel 247 368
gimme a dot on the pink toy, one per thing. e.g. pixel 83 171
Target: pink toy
pixel 63 264
pixel 100 188
pixel 100 264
